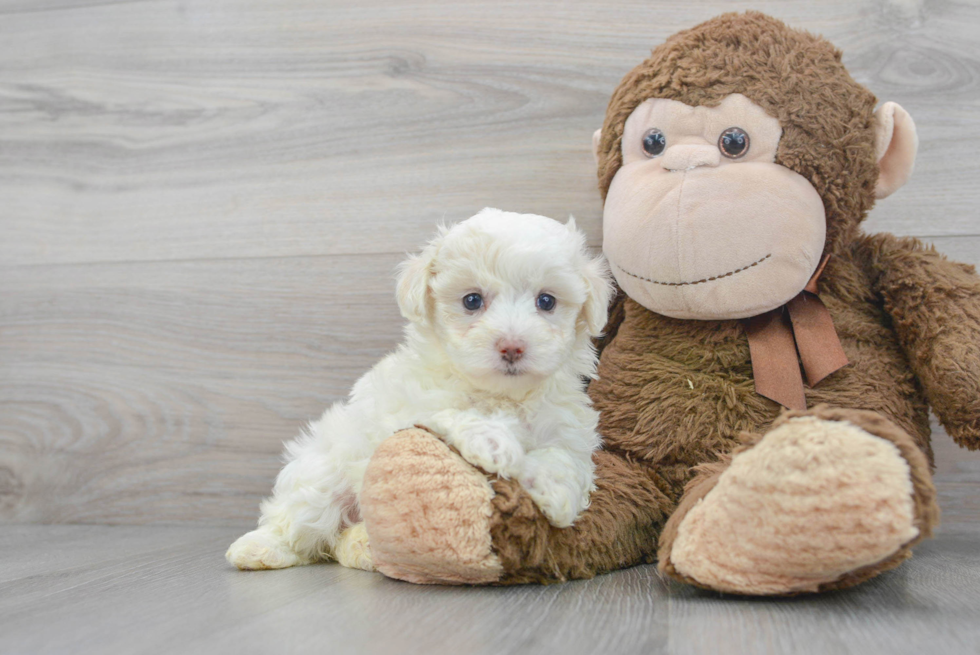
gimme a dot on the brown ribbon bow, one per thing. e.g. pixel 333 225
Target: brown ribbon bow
pixel 800 330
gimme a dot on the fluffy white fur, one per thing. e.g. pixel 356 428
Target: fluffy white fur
pixel 526 418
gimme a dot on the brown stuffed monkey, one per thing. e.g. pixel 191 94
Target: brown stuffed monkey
pixel 765 377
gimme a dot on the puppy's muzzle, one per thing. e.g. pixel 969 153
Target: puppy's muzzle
pixel 511 351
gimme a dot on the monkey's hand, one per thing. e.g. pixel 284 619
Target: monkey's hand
pixel 934 304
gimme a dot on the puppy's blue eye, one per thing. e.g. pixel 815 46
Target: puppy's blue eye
pixel 546 302
pixel 472 301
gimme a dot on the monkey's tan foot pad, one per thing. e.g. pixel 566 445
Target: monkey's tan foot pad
pixel 815 504
pixel 427 512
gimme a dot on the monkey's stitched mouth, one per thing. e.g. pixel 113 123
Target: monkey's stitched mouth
pixel 687 284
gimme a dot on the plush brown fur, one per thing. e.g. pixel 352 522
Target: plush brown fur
pixel 934 305
pixel 617 530
pixel 795 76
pixel 677 397
pixel 674 395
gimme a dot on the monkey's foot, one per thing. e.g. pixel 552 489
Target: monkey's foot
pixel 428 512
pixel 826 499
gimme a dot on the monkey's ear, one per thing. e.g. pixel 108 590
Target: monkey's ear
pixel 412 289
pixel 896 143
pixel 596 138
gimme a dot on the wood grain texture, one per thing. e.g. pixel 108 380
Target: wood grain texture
pixel 201 205
pixel 140 589
pixel 161 392
pixel 173 130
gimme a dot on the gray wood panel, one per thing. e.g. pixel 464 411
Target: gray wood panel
pixel 174 130
pixel 161 392
pixel 201 204
pixel 100 589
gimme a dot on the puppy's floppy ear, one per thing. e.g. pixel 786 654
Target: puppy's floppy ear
pixel 414 274
pixel 595 311
pixel 598 286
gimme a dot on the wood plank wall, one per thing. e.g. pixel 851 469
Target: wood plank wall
pixel 202 202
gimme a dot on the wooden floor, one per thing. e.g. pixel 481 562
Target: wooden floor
pixel 201 206
pixel 138 589
pixel 86 589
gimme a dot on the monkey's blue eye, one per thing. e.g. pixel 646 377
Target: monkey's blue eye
pixel 546 302
pixel 734 142
pixel 472 301
pixel 654 142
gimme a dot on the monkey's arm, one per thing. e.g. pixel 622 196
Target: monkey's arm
pixel 934 304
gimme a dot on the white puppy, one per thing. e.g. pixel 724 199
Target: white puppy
pixel 502 310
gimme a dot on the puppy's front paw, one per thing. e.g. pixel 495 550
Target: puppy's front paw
pixel 489 442
pixel 559 487
pixel 352 548
pixel 261 549
pixel 493 448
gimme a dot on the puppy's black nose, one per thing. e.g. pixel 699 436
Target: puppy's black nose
pixel 511 351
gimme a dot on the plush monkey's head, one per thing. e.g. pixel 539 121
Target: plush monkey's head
pixel 733 159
